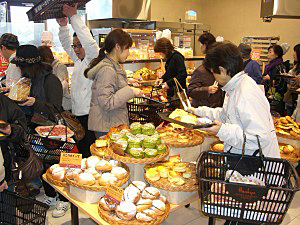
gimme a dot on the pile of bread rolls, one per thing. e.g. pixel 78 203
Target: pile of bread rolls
pixel 139 202
pixel 287 126
pixel 175 172
pixel 93 171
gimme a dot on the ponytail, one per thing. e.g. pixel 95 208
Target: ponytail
pixel 95 61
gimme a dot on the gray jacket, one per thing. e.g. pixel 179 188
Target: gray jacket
pixel 110 94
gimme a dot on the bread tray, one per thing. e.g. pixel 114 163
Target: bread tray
pixel 53 181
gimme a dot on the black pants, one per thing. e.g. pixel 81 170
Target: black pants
pixel 89 138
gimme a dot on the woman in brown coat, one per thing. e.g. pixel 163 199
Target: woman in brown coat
pixel 201 88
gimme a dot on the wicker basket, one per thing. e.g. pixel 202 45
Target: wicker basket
pixel 127 159
pixel 198 140
pixel 94 151
pixel 189 186
pixel 113 220
pixel 289 158
pixel 288 136
pixel 97 187
pixel 214 143
pixel 53 181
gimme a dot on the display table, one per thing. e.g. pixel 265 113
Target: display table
pixel 92 209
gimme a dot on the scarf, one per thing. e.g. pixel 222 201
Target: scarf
pixel 272 65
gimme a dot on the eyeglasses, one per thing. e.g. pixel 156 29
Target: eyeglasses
pixel 76 46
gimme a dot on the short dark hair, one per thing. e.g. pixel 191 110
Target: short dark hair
pixel 207 39
pixel 224 54
pixel 245 50
pixel 75 35
pixel 277 50
pixel 165 46
pixel 46 54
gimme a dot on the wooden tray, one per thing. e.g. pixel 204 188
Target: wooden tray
pixel 94 151
pixel 127 159
pixel 55 182
pixel 96 187
pixel 289 157
pixel 113 220
pixel 189 186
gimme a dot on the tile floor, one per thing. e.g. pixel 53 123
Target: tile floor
pixel 182 216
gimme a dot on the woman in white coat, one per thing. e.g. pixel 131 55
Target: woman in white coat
pixel 245 110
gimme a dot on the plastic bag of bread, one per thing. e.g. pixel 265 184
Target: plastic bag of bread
pixel 20 90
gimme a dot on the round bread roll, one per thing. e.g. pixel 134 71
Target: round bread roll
pixel 151 193
pixel 92 161
pixel 94 172
pixel 126 211
pixel 163 171
pixel 106 205
pixel 114 163
pixel 218 147
pixel 179 167
pixel 187 174
pixel 288 149
pixel 53 167
pixel 119 172
pixel 163 198
pixel 106 179
pixel 158 207
pixel 289 119
pixel 72 173
pixel 103 165
pixel 85 179
pixel 153 175
pixel 284 120
pixel 58 173
pixel 145 216
pixel 139 185
pixel 131 194
pixel 143 204
pixel 83 164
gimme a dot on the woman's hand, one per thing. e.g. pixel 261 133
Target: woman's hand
pixel 212 89
pixel 191 110
pixel 62 21
pixel 30 101
pixel 70 11
pixel 215 128
pixel 6 130
pixel 3 186
pixel 137 92
pixel 267 77
pixel 134 82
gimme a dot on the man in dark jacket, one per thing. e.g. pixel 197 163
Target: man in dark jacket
pixel 13 132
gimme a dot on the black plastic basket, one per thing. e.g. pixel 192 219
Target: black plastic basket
pixel 146 110
pixel 22 211
pixel 49 149
pixel 244 202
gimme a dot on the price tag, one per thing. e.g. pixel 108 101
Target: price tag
pixel 114 194
pixel 255 55
pixel 71 160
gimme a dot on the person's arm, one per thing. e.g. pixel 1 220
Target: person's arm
pixel 62 72
pixel 177 62
pixel 66 40
pixel 210 113
pixel 106 85
pixel 54 95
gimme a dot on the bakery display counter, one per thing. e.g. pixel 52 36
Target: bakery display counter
pixel 195 58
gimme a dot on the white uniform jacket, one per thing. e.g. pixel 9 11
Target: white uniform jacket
pixel 81 87
pixel 245 109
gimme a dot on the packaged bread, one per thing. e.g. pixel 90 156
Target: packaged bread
pixel 20 90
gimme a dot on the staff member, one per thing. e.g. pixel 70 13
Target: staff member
pixel 82 51
pixel 175 67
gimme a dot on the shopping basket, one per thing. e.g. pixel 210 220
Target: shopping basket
pixel 22 211
pixel 245 202
pixel 145 110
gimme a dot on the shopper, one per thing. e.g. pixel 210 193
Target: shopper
pixel 201 88
pixel 82 51
pixel 175 67
pixel 8 45
pixel 60 70
pixel 251 67
pixel 245 110
pixel 110 90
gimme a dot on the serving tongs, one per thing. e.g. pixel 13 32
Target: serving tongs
pixel 185 102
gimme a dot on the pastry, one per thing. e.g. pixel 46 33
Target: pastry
pixel 174 174
pixel 94 172
pixel 58 173
pixel 107 205
pixel 288 149
pixel 218 147
pixel 161 148
pixel 131 194
pixel 289 119
pixel 150 152
pixel 136 128
pixel 106 179
pixel 163 171
pixel 148 129
pixel 53 167
pixel 187 174
pixel 83 164
pixel 103 165
pixel 119 172
pixel 152 174
pixel 163 198
pixel 126 210
pixel 284 120
pixel 180 167
pixel 176 181
pixel 139 185
pixel 85 179
pixel 92 161
pixel 114 163
pixel 158 207
pixel 145 216
pixel 137 153
pixel 134 142
pixel 143 204
pixel 151 193
pixel 101 143
pixel 72 173
pixel 169 164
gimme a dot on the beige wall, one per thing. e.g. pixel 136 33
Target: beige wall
pixel 173 10
pixel 235 19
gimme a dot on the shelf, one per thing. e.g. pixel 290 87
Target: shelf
pixel 196 58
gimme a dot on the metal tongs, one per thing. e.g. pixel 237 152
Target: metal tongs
pixel 185 102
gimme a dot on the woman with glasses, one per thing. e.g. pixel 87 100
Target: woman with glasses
pixel 82 50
